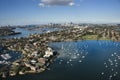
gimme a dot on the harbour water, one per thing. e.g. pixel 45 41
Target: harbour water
pixel 8 56
pixel 27 32
pixel 81 60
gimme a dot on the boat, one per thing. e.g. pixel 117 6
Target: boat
pixel 6 56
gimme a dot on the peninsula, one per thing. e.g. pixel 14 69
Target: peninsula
pixel 37 55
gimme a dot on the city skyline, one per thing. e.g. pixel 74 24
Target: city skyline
pixel 23 12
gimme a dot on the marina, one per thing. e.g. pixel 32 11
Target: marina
pixel 86 60
pixel 59 39
pixel 76 54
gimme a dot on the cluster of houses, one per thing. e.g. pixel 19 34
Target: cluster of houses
pixel 37 56
pixel 107 32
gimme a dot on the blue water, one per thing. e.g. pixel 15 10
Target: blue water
pixel 82 60
pixel 27 32
pixel 14 55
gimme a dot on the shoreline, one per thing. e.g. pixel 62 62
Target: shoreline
pixel 37 55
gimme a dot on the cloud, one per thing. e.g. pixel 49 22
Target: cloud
pixel 42 4
pixel 47 3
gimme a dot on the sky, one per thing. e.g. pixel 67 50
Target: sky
pixel 24 12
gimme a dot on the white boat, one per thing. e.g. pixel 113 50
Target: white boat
pixel 1 62
pixel 47 31
pixel 4 62
pixel 6 56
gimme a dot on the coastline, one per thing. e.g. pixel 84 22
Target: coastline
pixel 36 47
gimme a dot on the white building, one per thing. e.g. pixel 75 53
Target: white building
pixel 48 52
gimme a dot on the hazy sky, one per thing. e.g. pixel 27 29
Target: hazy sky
pixel 20 12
